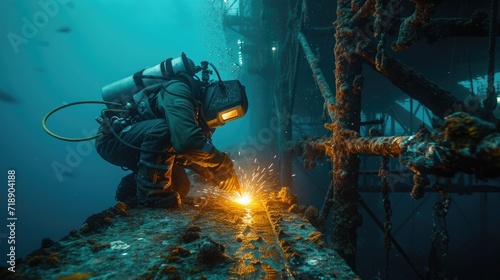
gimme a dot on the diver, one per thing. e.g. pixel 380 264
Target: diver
pixel 164 126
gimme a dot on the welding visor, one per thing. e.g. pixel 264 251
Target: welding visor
pixel 223 102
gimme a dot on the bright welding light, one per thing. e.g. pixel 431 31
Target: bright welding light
pixel 244 199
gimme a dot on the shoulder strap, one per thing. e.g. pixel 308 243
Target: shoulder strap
pixel 191 83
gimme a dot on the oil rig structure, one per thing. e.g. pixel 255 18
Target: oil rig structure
pixel 398 97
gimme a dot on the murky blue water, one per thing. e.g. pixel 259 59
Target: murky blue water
pixel 54 52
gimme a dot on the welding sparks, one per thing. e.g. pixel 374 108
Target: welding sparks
pixel 253 184
pixel 243 199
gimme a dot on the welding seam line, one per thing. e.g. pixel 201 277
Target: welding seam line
pixel 276 240
pixel 191 221
pixel 201 215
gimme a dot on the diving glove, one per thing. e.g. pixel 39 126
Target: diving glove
pixel 224 175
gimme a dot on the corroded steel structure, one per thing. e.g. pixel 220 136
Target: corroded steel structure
pixel 469 141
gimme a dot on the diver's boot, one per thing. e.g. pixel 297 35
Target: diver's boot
pixel 151 190
pixel 126 191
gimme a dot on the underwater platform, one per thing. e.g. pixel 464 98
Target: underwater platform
pixel 207 237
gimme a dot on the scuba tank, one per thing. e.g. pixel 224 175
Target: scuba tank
pixel 220 101
pixel 122 90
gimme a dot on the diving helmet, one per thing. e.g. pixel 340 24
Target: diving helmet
pixel 222 102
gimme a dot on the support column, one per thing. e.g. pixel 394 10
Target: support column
pixel 349 82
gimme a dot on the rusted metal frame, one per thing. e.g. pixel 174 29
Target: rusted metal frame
pixel 317 73
pixel 411 26
pixel 438 100
pixel 344 146
pixel 349 83
pixel 380 25
pixel 390 146
pixel 434 30
pixel 364 11
pixel 444 155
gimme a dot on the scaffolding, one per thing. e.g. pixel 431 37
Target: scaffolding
pixel 459 127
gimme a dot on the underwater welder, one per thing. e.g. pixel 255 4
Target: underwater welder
pixel 161 124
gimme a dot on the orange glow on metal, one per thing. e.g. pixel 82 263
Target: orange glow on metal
pixel 253 184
